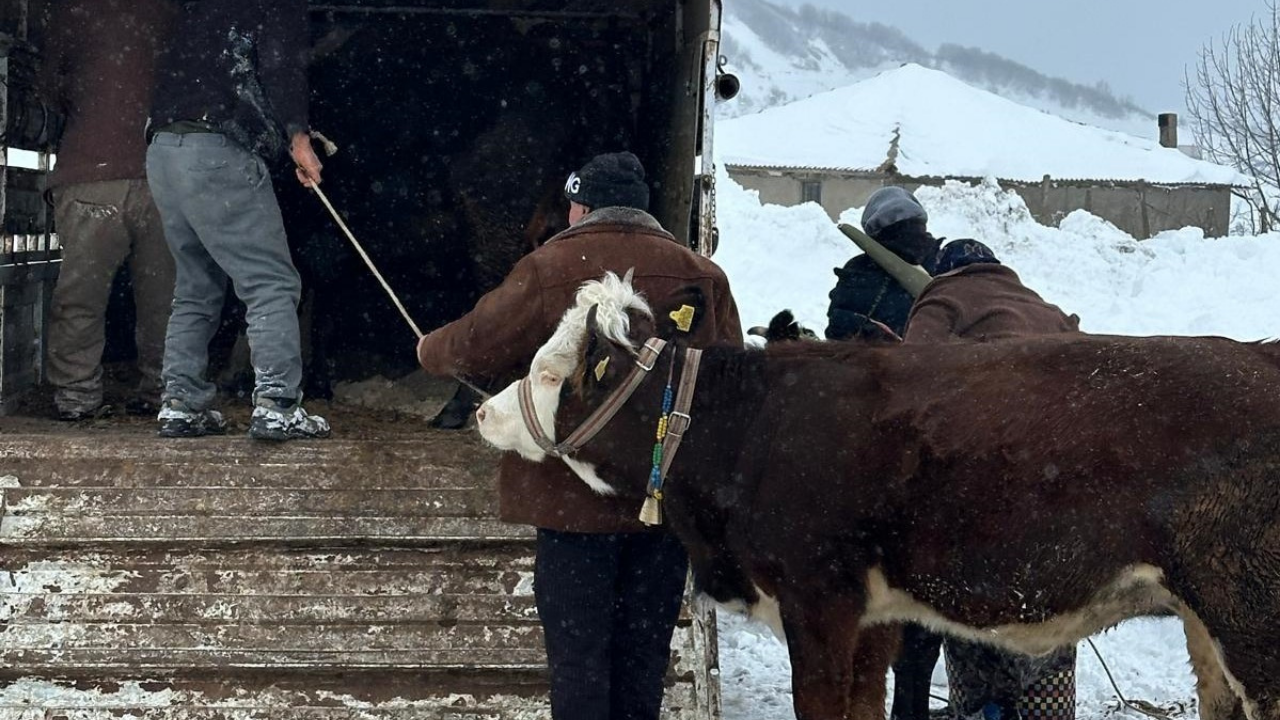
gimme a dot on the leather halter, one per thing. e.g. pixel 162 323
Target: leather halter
pixel 644 362
pixel 680 419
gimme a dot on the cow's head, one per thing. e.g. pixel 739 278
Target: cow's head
pixel 606 307
pixel 590 355
pixel 783 328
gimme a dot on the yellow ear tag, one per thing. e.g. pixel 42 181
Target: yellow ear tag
pixel 683 318
pixel 600 368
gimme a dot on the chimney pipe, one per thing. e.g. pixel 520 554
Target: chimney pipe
pixel 1168 130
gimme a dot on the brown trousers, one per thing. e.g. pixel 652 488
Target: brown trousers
pixel 100 225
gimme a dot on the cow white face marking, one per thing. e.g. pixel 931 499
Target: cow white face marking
pixel 501 424
pixel 499 419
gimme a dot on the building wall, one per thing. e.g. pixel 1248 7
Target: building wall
pixel 1140 209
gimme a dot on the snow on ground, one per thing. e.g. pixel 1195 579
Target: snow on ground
pixel 1178 283
pixel 1147 658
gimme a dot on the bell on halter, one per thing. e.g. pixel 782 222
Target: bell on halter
pixel 651 511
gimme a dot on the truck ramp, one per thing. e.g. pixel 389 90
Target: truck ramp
pixel 365 576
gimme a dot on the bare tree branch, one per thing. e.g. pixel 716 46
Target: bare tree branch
pixel 1233 99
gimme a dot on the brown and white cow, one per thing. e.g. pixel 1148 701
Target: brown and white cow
pixel 1026 493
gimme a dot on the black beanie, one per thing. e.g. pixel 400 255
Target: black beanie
pixel 609 180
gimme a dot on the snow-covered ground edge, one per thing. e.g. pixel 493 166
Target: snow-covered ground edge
pixel 1146 656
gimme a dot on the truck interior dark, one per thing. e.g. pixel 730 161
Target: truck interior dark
pixel 457 123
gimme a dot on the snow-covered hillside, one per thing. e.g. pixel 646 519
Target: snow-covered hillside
pixel 783 54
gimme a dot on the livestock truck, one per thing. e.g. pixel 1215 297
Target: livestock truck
pixel 365 575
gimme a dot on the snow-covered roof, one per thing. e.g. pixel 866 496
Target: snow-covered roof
pixel 946 128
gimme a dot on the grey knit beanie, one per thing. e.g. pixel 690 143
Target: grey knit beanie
pixel 890 205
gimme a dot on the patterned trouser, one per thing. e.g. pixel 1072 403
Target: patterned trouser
pixel 993 684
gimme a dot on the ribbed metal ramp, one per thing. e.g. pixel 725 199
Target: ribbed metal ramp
pixel 360 577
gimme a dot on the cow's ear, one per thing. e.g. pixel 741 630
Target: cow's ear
pixel 603 359
pixel 785 327
pixel 594 335
pixel 686 310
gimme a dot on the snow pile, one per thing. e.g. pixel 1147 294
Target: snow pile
pixel 1178 283
pixel 777 257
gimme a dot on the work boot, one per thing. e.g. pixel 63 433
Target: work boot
pixel 179 421
pixel 281 419
pixel 458 411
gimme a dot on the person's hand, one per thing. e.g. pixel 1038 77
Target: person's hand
pixel 304 157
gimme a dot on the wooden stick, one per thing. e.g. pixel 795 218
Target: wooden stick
pixel 911 277
pixel 367 261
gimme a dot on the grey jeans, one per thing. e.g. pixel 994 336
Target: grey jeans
pixel 100 224
pixel 221 221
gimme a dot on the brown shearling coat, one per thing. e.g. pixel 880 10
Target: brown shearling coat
pixel 496 341
pixel 982 302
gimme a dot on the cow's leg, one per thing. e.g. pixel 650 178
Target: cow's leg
pixel 1249 661
pixel 823 641
pixel 1229 585
pixel 1217 700
pixel 1236 628
pixel 875 650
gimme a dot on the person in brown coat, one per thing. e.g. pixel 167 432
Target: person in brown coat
pixel 607 588
pixel 976 298
pixel 99 62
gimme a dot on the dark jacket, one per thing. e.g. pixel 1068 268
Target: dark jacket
pixel 865 292
pixel 241 66
pixel 982 302
pixel 497 341
pixel 99 59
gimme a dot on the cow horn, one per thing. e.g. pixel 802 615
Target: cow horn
pixel 630 276
pixel 911 277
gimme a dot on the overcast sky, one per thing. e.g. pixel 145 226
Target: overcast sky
pixel 1139 47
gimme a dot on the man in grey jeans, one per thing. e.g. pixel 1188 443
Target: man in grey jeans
pixel 231 96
